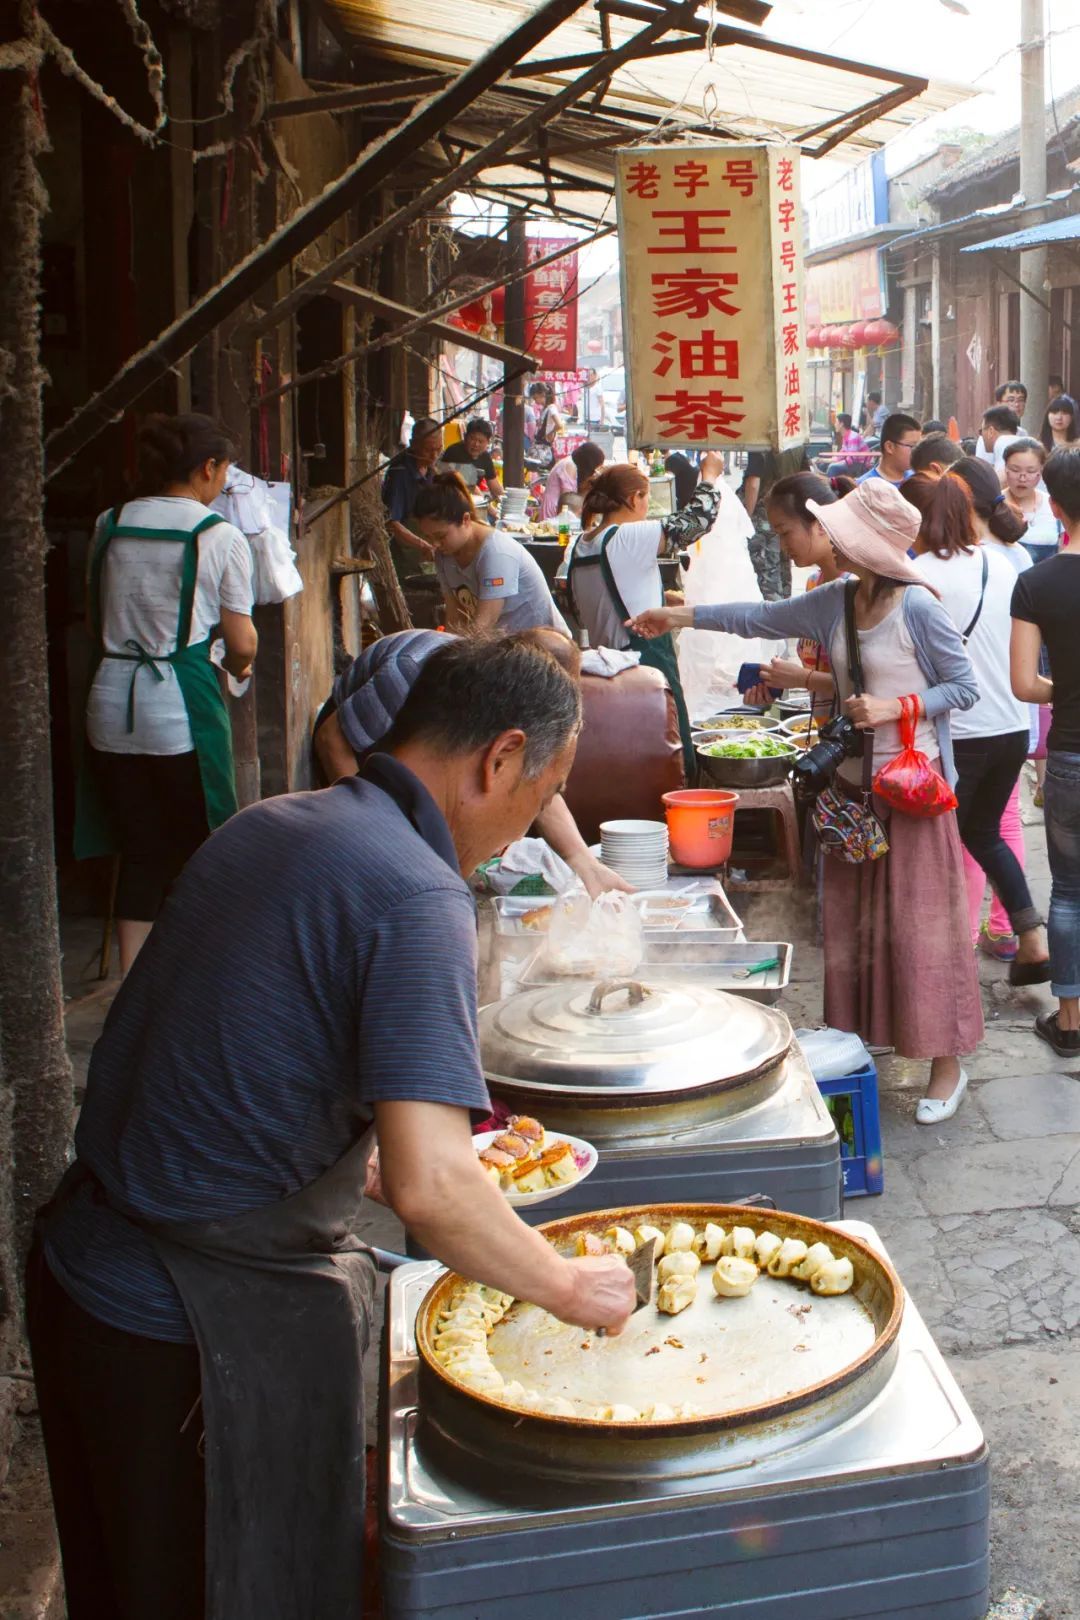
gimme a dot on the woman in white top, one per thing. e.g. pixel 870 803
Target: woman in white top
pixel 990 740
pixel 164 570
pixel 613 571
pixel 1026 494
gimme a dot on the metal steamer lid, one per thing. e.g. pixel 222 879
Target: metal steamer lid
pixel 625 1037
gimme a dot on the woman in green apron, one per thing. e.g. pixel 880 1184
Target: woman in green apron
pixel 164 571
pixel 614 574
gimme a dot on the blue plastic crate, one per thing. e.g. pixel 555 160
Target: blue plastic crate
pixel 853 1103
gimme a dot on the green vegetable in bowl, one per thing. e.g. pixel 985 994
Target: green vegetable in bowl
pixel 761 747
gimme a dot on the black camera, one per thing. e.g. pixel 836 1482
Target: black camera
pixel 838 740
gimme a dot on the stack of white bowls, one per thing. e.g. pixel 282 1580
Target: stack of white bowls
pixel 513 504
pixel 637 850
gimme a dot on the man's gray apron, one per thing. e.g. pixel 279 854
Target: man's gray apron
pixel 279 1300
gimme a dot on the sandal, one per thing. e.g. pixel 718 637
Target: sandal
pixel 1030 972
pixel 1065 1042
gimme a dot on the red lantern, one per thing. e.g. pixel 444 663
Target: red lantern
pixel 813 337
pixel 880 334
pixel 858 335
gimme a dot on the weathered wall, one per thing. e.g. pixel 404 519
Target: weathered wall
pixel 307 627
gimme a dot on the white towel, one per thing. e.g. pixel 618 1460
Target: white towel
pixel 608 661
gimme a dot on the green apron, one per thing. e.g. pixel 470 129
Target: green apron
pixel 196 676
pixel 658 652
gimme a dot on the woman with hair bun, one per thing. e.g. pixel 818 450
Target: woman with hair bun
pixel 613 571
pixel 489 580
pixel 164 571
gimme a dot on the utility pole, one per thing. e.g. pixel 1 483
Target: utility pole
pixel 1034 319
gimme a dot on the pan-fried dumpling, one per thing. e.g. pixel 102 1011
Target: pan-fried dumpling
pixel 680 1236
pixel 588 1243
pixel 645 1234
pixel 817 1255
pixel 619 1240
pixel 709 1245
pixel 835 1277
pixel 659 1413
pixel 766 1245
pixel 790 1253
pixel 680 1264
pixel 480 1374
pixel 676 1294
pixel 733 1277
pixel 740 1242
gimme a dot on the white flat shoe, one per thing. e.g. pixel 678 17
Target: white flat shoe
pixel 932 1110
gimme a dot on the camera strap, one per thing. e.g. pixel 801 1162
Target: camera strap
pixel 855 676
pixel 966 637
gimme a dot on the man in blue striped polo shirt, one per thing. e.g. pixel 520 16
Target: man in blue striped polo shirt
pixel 313 970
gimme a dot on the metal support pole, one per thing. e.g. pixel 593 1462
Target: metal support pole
pixel 1034 316
pixel 513 435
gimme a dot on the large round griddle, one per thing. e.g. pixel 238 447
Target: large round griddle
pixel 762 1391
pixel 626 1058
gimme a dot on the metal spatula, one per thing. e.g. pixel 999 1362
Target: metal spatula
pixel 642 1264
pixel 643 1272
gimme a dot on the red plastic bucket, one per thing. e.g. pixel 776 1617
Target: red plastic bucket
pixel 701 824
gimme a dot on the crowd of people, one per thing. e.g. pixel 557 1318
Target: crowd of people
pixel 314 971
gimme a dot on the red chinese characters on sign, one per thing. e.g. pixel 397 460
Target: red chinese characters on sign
pixel 704 418
pixel 551 306
pixel 790 339
pixel 711 358
pixel 695 292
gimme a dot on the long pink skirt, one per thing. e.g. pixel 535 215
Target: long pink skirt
pixel 899 967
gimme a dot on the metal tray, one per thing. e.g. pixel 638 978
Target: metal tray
pixel 672 960
pixel 708 919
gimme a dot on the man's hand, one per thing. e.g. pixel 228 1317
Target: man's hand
pixel 598 878
pixel 712 467
pixel 437 1187
pixel 603 1293
pixel 869 712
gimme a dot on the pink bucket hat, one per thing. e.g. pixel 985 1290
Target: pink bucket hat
pixel 873 528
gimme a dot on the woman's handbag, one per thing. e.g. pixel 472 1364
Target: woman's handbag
pixel 909 783
pixel 847 827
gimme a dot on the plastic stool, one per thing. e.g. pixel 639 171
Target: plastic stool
pixel 781 801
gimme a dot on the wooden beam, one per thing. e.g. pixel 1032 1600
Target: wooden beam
pixel 496 148
pixel 866 114
pixel 386 94
pixel 369 169
pixel 387 309
pixel 751 11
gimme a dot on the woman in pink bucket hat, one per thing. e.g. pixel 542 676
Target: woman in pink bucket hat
pixel 899 969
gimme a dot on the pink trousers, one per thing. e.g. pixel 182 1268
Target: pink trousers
pixel 1013 833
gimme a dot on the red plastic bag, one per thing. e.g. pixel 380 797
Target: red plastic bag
pixel 909 782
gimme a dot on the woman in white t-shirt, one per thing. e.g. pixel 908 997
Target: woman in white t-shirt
pixel 613 572
pixel 961 557
pixel 1026 494
pixel 164 571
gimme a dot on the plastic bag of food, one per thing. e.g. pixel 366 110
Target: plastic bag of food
pixel 909 783
pixel 599 938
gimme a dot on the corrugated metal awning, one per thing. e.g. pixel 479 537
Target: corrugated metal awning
pixel 1054 230
pixel 761 94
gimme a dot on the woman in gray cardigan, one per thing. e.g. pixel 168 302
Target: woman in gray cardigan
pixel 899 969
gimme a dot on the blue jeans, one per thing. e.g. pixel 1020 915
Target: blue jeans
pixel 1061 799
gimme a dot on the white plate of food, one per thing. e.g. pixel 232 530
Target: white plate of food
pixel 552 1163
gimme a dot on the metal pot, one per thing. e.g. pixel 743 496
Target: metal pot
pixel 623 1058
pixel 460 1423
pixel 744 773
